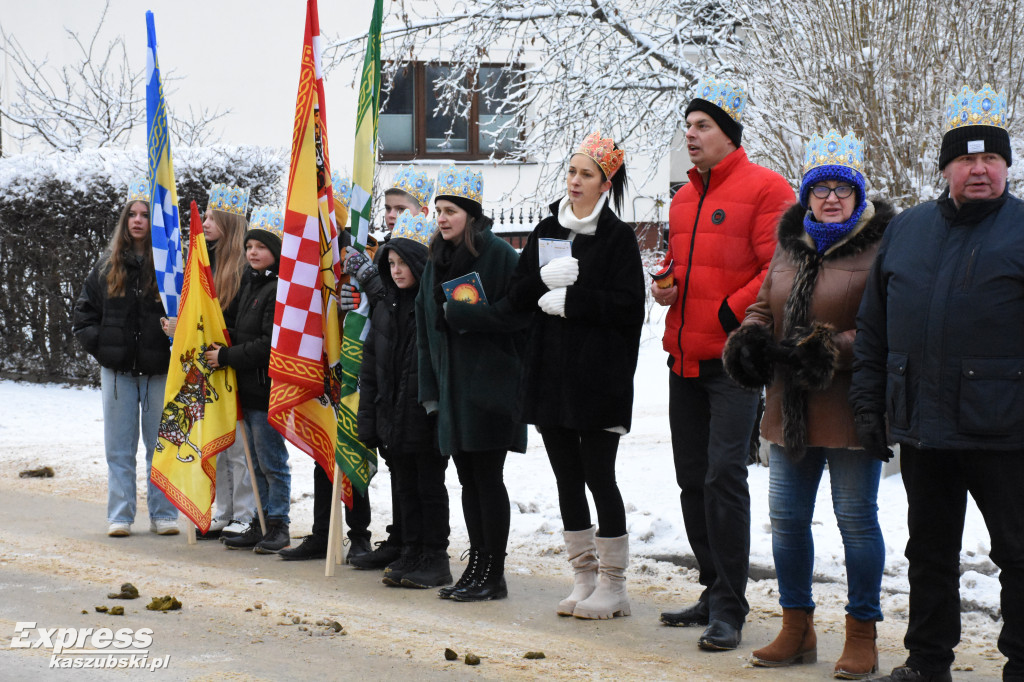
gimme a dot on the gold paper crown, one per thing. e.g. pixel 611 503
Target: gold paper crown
pixel 342 188
pixel 986 107
pixel 833 150
pixel 603 152
pixel 227 198
pixel 138 190
pixel 418 228
pixel 416 184
pixel 460 182
pixel 268 218
pixel 724 94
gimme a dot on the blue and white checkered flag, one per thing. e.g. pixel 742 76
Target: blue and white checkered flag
pixel 163 205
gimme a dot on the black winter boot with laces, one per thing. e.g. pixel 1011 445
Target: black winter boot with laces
pixel 469 576
pixel 490 583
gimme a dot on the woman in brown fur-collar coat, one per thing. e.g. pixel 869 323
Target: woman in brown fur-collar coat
pixel 798 339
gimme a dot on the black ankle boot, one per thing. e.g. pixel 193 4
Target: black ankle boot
pixel 432 570
pixel 277 538
pixel 386 552
pixel 250 538
pixel 469 576
pixel 400 567
pixel 490 583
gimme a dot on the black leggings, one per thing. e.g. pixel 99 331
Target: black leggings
pixel 581 460
pixel 484 498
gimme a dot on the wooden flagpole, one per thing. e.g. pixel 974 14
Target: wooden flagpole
pixel 252 476
pixel 335 553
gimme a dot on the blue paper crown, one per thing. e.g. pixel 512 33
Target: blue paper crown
pixel 227 198
pixel 833 158
pixel 461 182
pixel 418 228
pixel 724 94
pixel 269 218
pixel 986 107
pixel 138 190
pixel 416 184
pixel 342 188
pixel 832 150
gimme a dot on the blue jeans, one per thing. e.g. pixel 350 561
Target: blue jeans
pixel 125 399
pixel 270 464
pixel 792 489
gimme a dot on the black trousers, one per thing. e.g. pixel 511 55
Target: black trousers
pixel 421 500
pixel 582 460
pixel 357 518
pixel 937 483
pixel 711 419
pixel 485 501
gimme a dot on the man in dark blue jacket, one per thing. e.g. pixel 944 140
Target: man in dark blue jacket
pixel 940 353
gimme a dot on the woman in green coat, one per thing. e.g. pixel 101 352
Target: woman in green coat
pixel 469 367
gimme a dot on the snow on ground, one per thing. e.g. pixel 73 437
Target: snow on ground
pixel 62 427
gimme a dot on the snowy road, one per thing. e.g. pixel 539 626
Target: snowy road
pixel 55 561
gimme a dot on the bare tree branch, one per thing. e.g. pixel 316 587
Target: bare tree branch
pixel 96 101
pixel 623 66
pixel 879 68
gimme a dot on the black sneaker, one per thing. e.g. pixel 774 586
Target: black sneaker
pixel 250 538
pixel 386 552
pixel 311 547
pixel 402 566
pixel 357 547
pixel 432 570
pixel 277 538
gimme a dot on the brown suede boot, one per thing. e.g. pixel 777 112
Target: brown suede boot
pixel 797 642
pixel 860 653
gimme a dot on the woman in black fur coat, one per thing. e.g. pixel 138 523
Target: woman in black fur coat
pixel 588 308
pixel 798 338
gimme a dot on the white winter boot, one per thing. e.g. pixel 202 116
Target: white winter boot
pixel 609 598
pixel 579 544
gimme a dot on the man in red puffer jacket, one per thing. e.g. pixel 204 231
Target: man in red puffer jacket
pixel 721 238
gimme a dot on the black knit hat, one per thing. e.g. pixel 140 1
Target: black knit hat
pixel 268 239
pixel 471 207
pixel 975 140
pixel 974 122
pixel 412 252
pixel 732 129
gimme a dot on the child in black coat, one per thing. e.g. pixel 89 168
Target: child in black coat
pixel 249 354
pixel 390 417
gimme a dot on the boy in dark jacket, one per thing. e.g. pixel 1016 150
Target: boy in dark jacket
pixel 249 354
pixel 391 418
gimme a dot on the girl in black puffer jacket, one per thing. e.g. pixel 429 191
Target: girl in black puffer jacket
pixel 392 419
pixel 117 321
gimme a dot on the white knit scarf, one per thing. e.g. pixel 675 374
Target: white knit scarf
pixel 568 219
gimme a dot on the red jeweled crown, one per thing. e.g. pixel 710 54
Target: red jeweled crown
pixel 603 152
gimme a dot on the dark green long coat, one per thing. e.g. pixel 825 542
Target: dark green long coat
pixel 472 369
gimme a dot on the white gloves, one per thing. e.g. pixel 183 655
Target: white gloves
pixel 553 302
pixel 561 272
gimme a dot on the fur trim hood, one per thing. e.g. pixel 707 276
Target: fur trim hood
pixel 869 230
